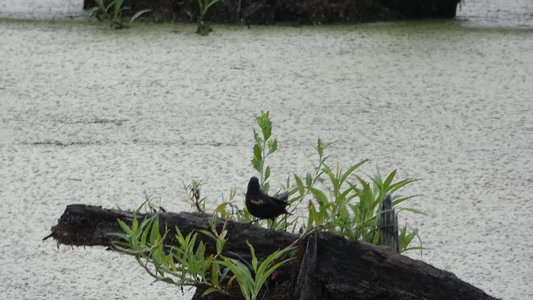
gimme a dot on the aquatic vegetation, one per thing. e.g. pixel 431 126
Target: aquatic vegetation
pixel 343 202
pixel 203 7
pixel 188 265
pixel 112 11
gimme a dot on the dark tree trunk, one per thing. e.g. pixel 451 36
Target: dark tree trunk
pixel 331 267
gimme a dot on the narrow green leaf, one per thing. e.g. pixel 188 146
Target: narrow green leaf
pixel 308 179
pixel 264 123
pixel 299 185
pixel 272 146
pixel 257 152
pixel 352 169
pixel 124 227
pixel 139 13
pixel 395 186
pixel 258 139
pixel 145 226
pixel 167 280
pixel 388 181
pixel 320 148
pixel 267 173
pixel 332 178
pixel 112 3
pixel 210 291
pixel 413 210
pixel 211 3
pixel 221 208
pixel 256 164
pixel 398 200
pixel 319 196
pixel 155 235
pixel 117 10
pixel 254 258
pixel 265 187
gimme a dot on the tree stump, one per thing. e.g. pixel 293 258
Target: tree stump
pixel 388 225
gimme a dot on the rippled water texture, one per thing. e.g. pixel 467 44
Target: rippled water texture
pixel 90 115
pixel 511 13
pixel 497 13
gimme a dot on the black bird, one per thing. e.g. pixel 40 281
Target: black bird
pixel 262 205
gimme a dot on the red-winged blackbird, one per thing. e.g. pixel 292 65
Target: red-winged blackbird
pixel 262 205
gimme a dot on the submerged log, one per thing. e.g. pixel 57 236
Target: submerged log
pixel 296 11
pixel 331 268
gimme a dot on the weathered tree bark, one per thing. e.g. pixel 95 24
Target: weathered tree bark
pixel 388 225
pixel 331 268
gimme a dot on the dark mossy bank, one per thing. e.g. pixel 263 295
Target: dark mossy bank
pixel 296 11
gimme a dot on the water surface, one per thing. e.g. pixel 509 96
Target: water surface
pixel 89 115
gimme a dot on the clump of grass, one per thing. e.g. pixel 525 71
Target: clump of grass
pixel 251 278
pixel 339 200
pixel 193 191
pixel 347 204
pixel 112 11
pixel 187 264
pixel 203 27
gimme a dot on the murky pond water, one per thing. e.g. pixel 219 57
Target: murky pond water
pixel 497 13
pixel 89 115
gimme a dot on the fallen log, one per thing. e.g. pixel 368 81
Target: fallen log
pixel 296 11
pixel 331 268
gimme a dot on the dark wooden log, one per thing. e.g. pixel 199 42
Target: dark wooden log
pixel 295 11
pixel 388 225
pixel 309 286
pixel 338 268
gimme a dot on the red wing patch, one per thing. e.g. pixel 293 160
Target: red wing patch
pixel 257 201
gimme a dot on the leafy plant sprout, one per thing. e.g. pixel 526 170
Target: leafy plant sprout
pixel 264 146
pixel 203 27
pixel 113 11
pixel 188 264
pixel 193 191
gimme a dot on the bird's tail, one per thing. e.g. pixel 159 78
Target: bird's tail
pixel 283 197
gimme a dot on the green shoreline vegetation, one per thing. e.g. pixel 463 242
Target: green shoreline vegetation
pixel 203 12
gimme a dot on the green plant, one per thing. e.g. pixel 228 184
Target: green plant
pixel 251 279
pixel 203 27
pixel 342 202
pixel 193 191
pixel 264 146
pixel 346 203
pixel 405 238
pixel 183 265
pixel 112 11
pixel 188 263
